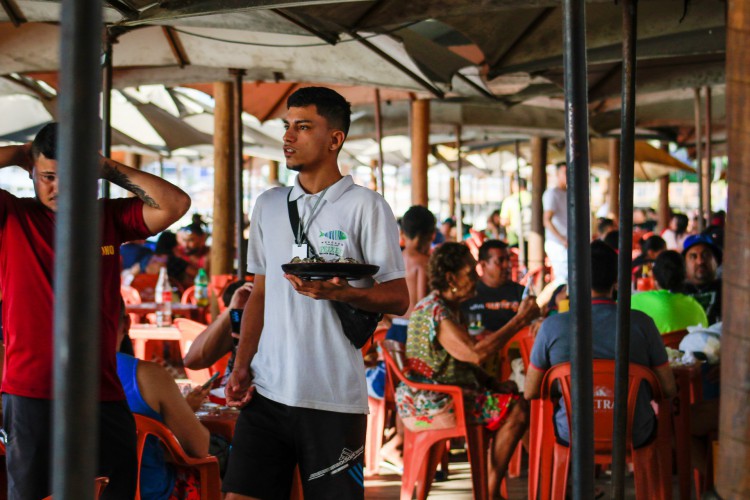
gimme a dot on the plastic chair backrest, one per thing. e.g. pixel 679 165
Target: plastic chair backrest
pixel 673 339
pixel 145 284
pixel 525 344
pixel 189 331
pixel 130 295
pixel 219 282
pixel 548 462
pixel 188 296
pixel 515 341
pixel 604 389
pixel 208 467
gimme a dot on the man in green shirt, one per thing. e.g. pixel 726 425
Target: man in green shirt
pixel 670 309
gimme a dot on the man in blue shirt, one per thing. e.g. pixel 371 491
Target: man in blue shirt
pixel 552 345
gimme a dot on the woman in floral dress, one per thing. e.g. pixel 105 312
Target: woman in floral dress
pixel 439 350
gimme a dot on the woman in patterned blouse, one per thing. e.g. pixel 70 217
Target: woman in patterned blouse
pixel 440 350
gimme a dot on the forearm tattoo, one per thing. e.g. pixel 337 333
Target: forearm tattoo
pixel 113 175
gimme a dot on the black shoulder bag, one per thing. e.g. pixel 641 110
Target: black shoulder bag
pixel 358 325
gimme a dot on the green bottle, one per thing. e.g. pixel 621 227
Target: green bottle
pixel 201 288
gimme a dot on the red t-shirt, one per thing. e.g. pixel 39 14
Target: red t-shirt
pixel 27 235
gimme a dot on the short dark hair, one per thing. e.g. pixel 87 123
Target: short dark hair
pixel 669 271
pixel 603 267
pixel 166 243
pixel 653 243
pixel 226 295
pixel 449 257
pixel 612 239
pixel 418 221
pixel 484 250
pixel 682 223
pixel 329 104
pixel 604 224
pixel 45 142
pixel 561 164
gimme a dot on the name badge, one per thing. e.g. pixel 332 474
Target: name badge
pixel 299 251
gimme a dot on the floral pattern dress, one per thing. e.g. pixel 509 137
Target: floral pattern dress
pixel 428 362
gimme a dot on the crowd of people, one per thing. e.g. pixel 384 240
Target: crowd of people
pixel 295 372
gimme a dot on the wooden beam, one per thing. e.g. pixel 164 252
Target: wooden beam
pixel 420 146
pixel 538 186
pixel 518 42
pixel 222 247
pixel 13 12
pixel 175 45
pixel 614 178
pixel 705 166
pixel 732 479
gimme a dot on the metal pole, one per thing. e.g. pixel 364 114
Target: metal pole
pixel 699 158
pixel 379 138
pixel 239 189
pixel 77 252
pixel 459 204
pixel 106 106
pixel 521 237
pixel 706 169
pixel 579 251
pixel 625 260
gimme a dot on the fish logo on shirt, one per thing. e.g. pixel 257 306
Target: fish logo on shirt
pixel 335 235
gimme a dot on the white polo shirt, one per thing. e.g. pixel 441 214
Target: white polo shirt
pixel 304 359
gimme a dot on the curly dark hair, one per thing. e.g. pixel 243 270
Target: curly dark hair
pixel 449 257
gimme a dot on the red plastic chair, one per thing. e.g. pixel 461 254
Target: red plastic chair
pixel 208 467
pixel 673 339
pixel 189 331
pixel 423 450
pixel 549 459
pixel 514 466
pixel 377 417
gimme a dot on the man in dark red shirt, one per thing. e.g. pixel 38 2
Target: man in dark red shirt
pixel 27 257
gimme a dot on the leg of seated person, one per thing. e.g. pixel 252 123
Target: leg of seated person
pixel 504 444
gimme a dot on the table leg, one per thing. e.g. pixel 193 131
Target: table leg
pixel 682 436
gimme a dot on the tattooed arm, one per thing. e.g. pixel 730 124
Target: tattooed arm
pixel 164 202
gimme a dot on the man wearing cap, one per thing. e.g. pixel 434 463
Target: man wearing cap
pixel 702 257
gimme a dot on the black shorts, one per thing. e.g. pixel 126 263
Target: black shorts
pixel 27 423
pixel 271 438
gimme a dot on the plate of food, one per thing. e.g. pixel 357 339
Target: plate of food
pixel 315 268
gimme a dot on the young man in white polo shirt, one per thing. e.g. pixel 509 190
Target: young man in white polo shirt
pixel 300 377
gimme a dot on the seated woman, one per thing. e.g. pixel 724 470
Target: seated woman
pixel 439 350
pixel 670 309
pixel 152 392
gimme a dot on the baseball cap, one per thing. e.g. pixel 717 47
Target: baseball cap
pixel 703 239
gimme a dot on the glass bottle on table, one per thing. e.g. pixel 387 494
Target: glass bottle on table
pixel 201 288
pixel 163 299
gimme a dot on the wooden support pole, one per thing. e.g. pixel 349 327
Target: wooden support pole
pixel 452 196
pixel 664 213
pixel 699 159
pixel 733 481
pixel 373 174
pixel 538 185
pixel 222 248
pixel 420 146
pixel 273 171
pixel 614 179
pixel 706 165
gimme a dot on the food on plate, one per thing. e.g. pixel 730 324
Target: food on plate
pixel 320 260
